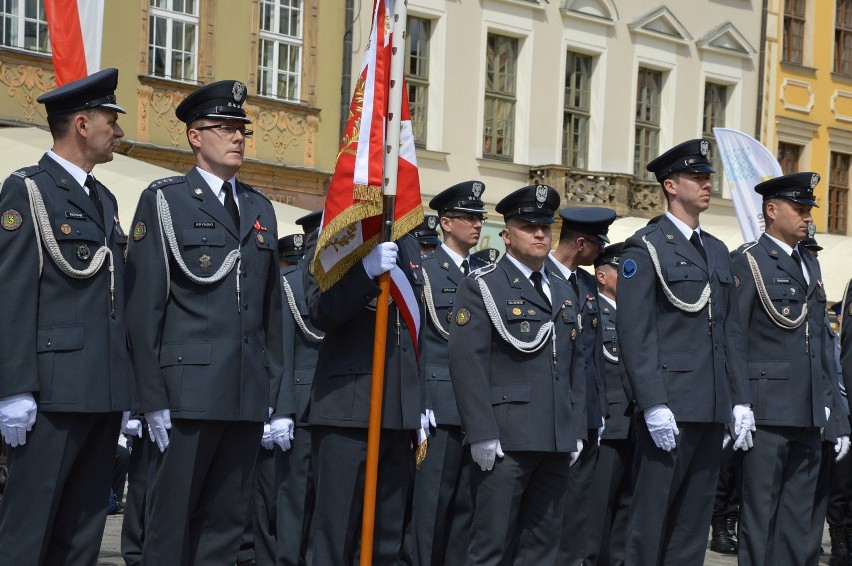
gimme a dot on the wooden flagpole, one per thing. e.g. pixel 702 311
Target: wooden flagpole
pixel 389 184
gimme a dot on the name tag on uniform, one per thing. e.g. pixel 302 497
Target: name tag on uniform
pixel 515 302
pixel 207 224
pixel 76 215
pixel 448 290
pixel 679 263
pixel 780 280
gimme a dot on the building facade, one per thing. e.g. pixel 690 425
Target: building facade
pixel 288 52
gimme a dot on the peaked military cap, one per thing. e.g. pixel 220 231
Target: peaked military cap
pixel 610 256
pixel 533 203
pixel 292 247
pixel 810 244
pixel 588 220
pixel 310 221
pixel 487 254
pixel 689 156
pixel 427 231
pixel 464 197
pixel 95 91
pixel 221 100
pixel 797 187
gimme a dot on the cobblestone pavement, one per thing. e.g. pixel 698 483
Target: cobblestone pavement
pixel 111 554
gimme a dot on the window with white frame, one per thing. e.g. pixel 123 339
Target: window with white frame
pixel 576 110
pixel 417 75
pixel 173 39
pixel 280 49
pixel 649 89
pixel 24 25
pixel 715 100
pixel 498 134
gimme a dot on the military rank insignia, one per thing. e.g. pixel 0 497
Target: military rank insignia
pixel 462 316
pixel 11 219
pixel 205 261
pixel 139 231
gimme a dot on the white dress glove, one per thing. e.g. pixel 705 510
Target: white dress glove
pixel 601 429
pixel 842 447
pixel 382 258
pixel 281 429
pixel 484 452
pixel 17 417
pixel 130 427
pixel 576 455
pixel 159 423
pixel 743 427
pixel 662 426
pixel 427 418
pixel 266 440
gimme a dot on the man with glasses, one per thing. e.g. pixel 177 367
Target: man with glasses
pixel 205 324
pixel 581 240
pixel 439 499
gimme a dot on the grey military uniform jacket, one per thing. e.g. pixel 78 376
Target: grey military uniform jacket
pixel 592 338
pixel 346 313
pixel 197 349
pixel 529 401
pixel 300 349
pixel 65 338
pixel 688 361
pixel 444 277
pixel 787 370
pixel 618 422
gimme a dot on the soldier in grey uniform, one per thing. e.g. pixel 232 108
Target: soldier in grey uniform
pixel 683 348
pixel 302 341
pixel 781 299
pixel 437 482
pixel 581 240
pixel 612 486
pixel 515 371
pixel 66 368
pixel 204 319
pixel 340 407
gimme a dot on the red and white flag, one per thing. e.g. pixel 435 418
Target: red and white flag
pixel 75 28
pixel 352 218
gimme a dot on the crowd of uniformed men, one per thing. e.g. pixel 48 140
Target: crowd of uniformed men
pixel 557 431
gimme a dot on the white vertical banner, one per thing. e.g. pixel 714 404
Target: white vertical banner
pixel 747 162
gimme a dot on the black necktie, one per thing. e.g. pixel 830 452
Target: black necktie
pixel 465 267
pixel 798 261
pixel 535 277
pixel 93 194
pixel 572 279
pixel 231 204
pixel 695 240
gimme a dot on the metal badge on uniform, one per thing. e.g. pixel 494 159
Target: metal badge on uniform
pixel 773 252
pixel 298 240
pixel 530 312
pixel 462 316
pixel 573 334
pixel 205 261
pixel 260 239
pixel 139 231
pixel 605 310
pixel 432 222
pixel 198 190
pixel 476 189
pixel 785 311
pixel 669 237
pixel 525 327
pixel 445 265
pixel 705 147
pixel 83 252
pixel 628 270
pixel 568 303
pixel 516 311
pixel 594 322
pixel 11 220
pixel 565 317
pixel 449 316
pixel 65 229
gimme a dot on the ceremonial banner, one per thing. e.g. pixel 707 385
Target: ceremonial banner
pixel 75 28
pixel 746 163
pixel 352 218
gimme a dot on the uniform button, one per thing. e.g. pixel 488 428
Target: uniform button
pixel 762 373
pixel 245 274
pixel 685 275
pixel 112 315
pixel 405 348
pixel 665 366
pixel 204 239
pixel 351 368
pixel 78 232
pixel 245 306
pixel 180 358
pixel 451 301
pixel 504 397
pixel 246 339
pixel 48 344
pixel 298 380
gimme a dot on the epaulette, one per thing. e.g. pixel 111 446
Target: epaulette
pixel 290 269
pixel 430 255
pixel 645 230
pixel 160 183
pixel 477 273
pixel 254 190
pixel 25 172
pixel 747 246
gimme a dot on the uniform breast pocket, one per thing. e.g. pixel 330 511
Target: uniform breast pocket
pixel 443 305
pixel 787 298
pixel 523 320
pixel 78 240
pixel 203 250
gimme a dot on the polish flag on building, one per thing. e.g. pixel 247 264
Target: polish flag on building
pixel 75 28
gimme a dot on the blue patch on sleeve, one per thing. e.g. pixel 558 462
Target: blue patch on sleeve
pixel 628 270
